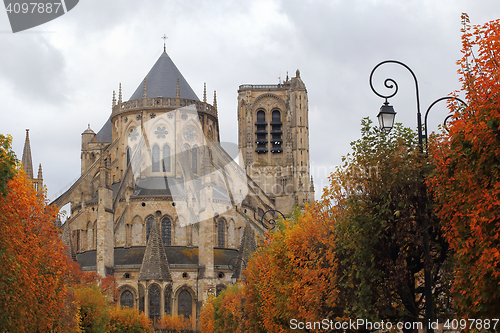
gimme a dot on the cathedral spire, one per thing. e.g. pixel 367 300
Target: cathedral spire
pixel 144 93
pixel 120 94
pixel 27 162
pixel 215 99
pixel 114 99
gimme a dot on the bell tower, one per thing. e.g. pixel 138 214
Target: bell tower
pixel 274 140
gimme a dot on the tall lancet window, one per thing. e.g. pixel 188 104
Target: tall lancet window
pixel 155 159
pixel 221 233
pixel 276 132
pixel 154 302
pixel 166 231
pixel 166 163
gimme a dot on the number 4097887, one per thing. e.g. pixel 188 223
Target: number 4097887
pixel 477 324
pixel 33 7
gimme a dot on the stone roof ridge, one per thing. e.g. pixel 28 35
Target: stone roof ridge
pixel 162 81
pixel 154 263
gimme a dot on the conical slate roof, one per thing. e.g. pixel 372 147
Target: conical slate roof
pixel 161 81
pixel 155 263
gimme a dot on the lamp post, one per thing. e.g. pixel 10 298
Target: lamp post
pixel 386 118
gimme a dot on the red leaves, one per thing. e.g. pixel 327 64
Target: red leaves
pixel 32 289
pixel 466 181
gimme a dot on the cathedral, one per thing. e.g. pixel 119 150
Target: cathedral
pixel 165 207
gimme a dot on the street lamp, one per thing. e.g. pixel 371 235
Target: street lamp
pixel 386 121
pixel 386 117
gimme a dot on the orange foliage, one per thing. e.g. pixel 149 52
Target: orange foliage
pixel 32 284
pixel 173 323
pixel 207 316
pixel 128 321
pixel 466 182
pixel 294 276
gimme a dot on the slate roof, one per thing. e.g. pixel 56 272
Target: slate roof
pixel 161 81
pixel 176 255
pixel 105 133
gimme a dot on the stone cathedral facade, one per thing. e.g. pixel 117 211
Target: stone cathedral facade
pixel 166 209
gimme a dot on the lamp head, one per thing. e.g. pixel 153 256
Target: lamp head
pixel 386 117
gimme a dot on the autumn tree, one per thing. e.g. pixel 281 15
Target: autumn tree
pixel 466 180
pixel 294 276
pixel 381 208
pixel 32 287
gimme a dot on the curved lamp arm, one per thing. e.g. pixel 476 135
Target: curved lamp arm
pixel 390 84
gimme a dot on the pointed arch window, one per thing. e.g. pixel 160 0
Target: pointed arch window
pixel 149 225
pixel 155 159
pixel 127 299
pixel 128 235
pixel 221 233
pixel 276 132
pixel 185 304
pixel 154 302
pixel 166 231
pixel 166 162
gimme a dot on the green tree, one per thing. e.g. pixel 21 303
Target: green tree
pixel 8 162
pixel 381 206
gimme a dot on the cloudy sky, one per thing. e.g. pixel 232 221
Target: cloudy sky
pixel 58 77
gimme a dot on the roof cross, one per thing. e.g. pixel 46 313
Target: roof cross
pixel 164 37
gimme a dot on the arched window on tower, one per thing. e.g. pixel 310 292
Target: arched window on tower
pixel 166 163
pixel 127 299
pixel 261 132
pixel 155 159
pixel 276 132
pixel 221 233
pixel 149 225
pixel 166 231
pixel 154 296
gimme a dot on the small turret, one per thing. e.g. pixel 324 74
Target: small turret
pixel 87 135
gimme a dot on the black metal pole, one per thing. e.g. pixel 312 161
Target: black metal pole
pixel 422 198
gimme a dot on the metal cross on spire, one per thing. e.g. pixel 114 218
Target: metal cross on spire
pixel 164 37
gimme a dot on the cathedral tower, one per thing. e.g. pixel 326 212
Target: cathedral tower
pixel 274 140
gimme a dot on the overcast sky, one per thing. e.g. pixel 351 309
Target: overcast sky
pixel 58 77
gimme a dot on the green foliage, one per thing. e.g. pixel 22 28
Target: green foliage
pixel 8 162
pixel 383 204
pixel 93 309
